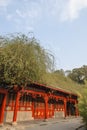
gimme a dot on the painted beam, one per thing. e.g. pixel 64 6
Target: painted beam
pixel 3 91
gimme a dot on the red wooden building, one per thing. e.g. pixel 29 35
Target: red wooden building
pixel 35 101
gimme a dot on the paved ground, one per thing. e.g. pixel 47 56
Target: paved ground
pixel 56 124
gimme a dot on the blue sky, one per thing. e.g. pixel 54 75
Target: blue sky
pixel 59 25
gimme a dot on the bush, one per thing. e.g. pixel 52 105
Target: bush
pixel 83 105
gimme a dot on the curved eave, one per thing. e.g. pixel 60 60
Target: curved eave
pixel 57 89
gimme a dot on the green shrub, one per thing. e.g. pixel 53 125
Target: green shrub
pixel 83 105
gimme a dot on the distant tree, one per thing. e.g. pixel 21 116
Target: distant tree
pixel 79 75
pixel 61 72
pixel 67 72
pixel 22 59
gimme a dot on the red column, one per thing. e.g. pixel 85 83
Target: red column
pixel 16 108
pixel 52 110
pixel 76 107
pixel 33 109
pixel 3 108
pixel 69 108
pixel 46 107
pixel 65 108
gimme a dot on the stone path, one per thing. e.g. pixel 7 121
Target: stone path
pixel 52 124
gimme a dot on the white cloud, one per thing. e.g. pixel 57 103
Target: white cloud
pixel 20 14
pixel 3 6
pixel 29 12
pixel 65 10
pixel 72 9
pixel 27 16
pixel 62 9
pixel 4 3
pixel 9 17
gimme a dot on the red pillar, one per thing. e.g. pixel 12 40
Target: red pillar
pixel 46 107
pixel 65 108
pixel 52 110
pixel 69 108
pixel 33 109
pixel 16 108
pixel 3 109
pixel 76 107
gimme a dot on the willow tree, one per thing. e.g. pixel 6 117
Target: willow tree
pixel 22 60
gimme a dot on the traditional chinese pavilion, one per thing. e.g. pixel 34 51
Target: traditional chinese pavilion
pixel 35 101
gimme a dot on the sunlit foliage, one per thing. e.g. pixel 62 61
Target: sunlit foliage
pixel 22 59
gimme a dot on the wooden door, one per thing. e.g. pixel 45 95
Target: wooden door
pixel 50 110
pixel 39 110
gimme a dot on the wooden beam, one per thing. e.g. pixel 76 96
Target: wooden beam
pixel 71 100
pixel 42 94
pixel 3 91
pixel 58 89
pixel 32 92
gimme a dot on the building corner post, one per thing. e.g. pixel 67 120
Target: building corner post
pixel 3 109
pixel 76 107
